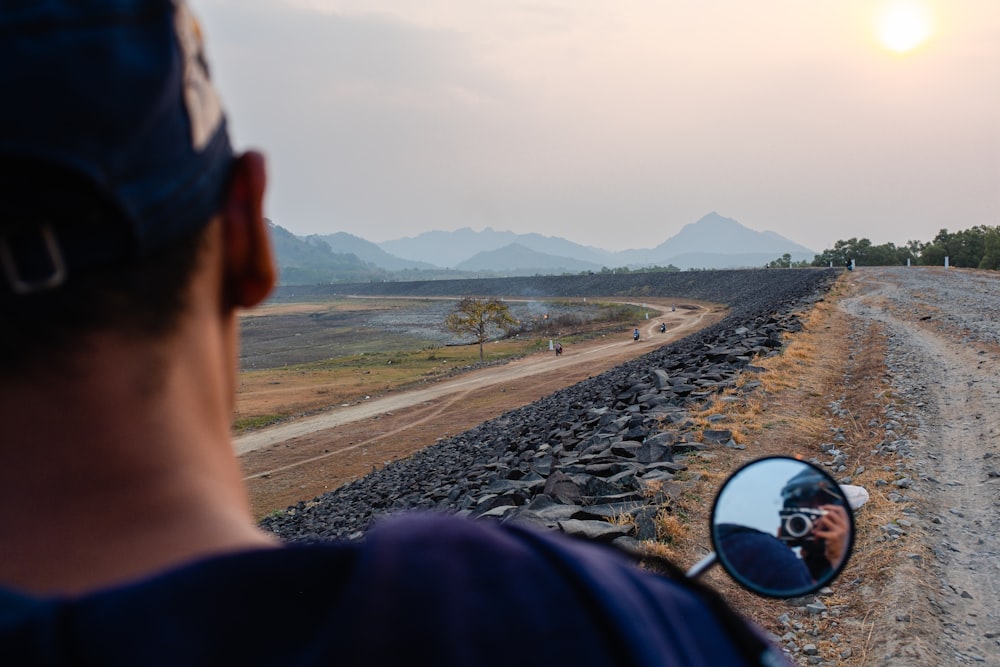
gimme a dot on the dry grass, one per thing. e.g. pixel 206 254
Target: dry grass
pixel 789 413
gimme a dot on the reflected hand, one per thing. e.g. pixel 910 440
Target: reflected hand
pixel 833 527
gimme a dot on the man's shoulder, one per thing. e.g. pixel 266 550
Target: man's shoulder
pixel 426 588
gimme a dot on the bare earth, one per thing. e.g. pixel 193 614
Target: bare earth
pixel 304 458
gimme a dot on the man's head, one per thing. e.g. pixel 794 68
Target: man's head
pixel 114 159
pixel 810 488
pixel 129 235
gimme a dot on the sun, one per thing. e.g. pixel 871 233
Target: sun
pixel 903 25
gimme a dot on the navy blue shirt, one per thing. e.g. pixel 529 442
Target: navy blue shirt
pixel 763 560
pixel 419 590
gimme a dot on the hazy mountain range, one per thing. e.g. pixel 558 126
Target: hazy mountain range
pixel 710 243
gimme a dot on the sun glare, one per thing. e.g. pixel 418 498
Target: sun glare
pixel 903 25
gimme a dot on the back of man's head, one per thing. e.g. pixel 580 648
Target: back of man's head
pixel 114 156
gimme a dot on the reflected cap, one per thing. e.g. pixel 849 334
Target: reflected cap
pixel 810 487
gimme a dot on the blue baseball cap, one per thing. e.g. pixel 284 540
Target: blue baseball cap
pixel 116 93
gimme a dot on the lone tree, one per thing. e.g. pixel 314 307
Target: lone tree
pixel 478 317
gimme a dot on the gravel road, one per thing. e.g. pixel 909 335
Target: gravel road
pixel 944 343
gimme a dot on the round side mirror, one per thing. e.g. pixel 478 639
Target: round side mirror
pixel 782 527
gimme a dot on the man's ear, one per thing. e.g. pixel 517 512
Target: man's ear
pixel 249 262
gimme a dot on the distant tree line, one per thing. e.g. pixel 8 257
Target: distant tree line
pixel 976 248
pixel 785 262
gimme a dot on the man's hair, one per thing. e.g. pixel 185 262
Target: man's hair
pixel 140 296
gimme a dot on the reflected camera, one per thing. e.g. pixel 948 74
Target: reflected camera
pixel 797 524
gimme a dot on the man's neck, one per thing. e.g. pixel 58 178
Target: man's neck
pixel 107 475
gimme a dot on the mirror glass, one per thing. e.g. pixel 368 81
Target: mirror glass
pixel 782 527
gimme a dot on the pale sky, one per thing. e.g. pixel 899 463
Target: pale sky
pixel 613 123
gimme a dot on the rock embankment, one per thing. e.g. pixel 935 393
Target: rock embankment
pixel 604 448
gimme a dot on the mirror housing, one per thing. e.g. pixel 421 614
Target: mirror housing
pixel 782 527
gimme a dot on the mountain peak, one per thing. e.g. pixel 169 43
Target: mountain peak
pixel 714 218
pixel 714 233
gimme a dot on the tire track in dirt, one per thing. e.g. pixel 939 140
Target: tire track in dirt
pixel 435 411
pixel 942 606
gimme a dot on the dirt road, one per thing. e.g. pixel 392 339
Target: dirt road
pixel 942 607
pixel 301 459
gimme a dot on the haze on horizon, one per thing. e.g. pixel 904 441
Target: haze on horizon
pixel 615 124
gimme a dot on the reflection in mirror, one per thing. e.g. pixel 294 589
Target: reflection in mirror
pixel 782 527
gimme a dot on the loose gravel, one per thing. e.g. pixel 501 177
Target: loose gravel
pixel 944 466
